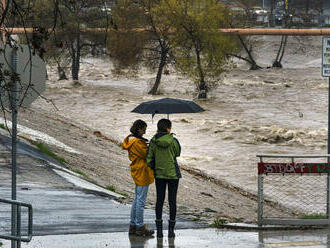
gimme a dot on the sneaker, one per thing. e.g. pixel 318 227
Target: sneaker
pixel 143 231
pixel 132 229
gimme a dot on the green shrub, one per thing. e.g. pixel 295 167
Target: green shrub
pixel 81 173
pixel 219 222
pixel 46 150
pixel 111 188
pixel 123 194
pixel 315 216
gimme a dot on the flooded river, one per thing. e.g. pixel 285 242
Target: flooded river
pixel 282 111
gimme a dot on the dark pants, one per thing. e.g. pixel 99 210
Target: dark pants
pixel 172 192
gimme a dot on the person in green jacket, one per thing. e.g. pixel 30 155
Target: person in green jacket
pixel 161 157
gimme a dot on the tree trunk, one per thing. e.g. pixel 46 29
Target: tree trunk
pixel 276 63
pixel 161 66
pixel 280 53
pixel 202 94
pixel 251 60
pixel 202 88
pixel 75 56
pixel 283 48
pixel 61 73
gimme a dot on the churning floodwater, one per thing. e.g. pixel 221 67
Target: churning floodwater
pixel 269 111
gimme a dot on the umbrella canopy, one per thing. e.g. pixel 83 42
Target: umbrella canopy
pixel 168 106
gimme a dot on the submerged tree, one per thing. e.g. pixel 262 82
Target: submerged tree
pixel 160 32
pixel 131 46
pixel 280 52
pixel 240 19
pixel 75 16
pixel 200 50
pixel 125 42
pixel 286 22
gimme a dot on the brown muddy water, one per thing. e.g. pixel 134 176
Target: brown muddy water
pixel 269 111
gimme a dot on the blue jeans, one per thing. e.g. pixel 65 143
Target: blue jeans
pixel 138 205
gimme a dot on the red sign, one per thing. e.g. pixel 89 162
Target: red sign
pixel 301 168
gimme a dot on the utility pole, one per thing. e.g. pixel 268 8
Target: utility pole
pixel 286 5
pixel 14 225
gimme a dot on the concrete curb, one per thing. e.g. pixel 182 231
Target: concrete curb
pixel 80 182
pixel 254 227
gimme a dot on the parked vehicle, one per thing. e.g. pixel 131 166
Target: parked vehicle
pixel 258 11
pixel 259 14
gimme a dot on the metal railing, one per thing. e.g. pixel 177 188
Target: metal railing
pixel 298 185
pixel 18 237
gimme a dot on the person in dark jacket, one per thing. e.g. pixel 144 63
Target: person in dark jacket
pixel 161 157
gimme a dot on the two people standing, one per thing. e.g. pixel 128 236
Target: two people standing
pixel 161 158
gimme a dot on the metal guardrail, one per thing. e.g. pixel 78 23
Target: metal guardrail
pixel 18 211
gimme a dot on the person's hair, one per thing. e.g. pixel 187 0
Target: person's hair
pixel 163 125
pixel 137 125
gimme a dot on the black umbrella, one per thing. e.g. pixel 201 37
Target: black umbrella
pixel 167 106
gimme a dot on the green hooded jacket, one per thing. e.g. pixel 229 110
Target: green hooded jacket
pixel 161 156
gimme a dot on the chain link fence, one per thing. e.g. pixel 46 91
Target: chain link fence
pixel 297 185
pixel 304 195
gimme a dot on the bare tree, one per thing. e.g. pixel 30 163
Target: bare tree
pixel 150 48
pixel 74 17
pixel 248 44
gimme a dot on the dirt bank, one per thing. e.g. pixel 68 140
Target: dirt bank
pixel 105 163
